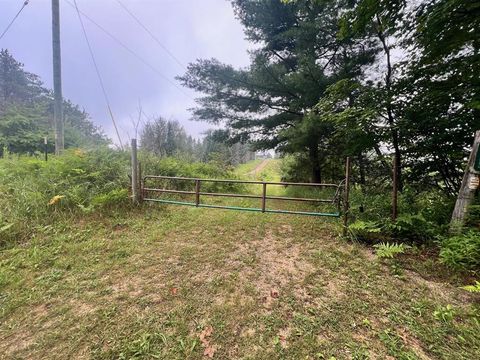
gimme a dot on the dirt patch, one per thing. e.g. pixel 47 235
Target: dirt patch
pixel 24 337
pixel 269 264
pixel 130 286
pixel 413 344
pixel 439 290
pixel 18 342
pixel 80 308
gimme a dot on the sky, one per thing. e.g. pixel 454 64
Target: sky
pixel 189 29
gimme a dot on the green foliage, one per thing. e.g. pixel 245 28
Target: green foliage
pixel 472 288
pixel 387 250
pixel 473 216
pixel 412 227
pixel 37 191
pixel 299 55
pixel 167 138
pixel 295 168
pixel 173 166
pixel 323 84
pixel 365 230
pixel 423 216
pixel 461 251
pixel 407 227
pixel 444 313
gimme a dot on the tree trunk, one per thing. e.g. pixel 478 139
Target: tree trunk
pixel 315 161
pixel 389 107
pixel 467 192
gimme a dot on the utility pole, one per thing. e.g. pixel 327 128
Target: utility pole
pixel 468 187
pixel 57 78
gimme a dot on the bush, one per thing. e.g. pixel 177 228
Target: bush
pixel 296 168
pixel 408 228
pixel 473 218
pixel 461 251
pixel 171 166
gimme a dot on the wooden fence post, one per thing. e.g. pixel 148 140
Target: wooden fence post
pixel 134 172
pixel 467 188
pixel 346 195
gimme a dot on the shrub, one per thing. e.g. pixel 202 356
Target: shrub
pixel 473 218
pixel 412 227
pixel 365 230
pixel 295 168
pixel 171 166
pixel 407 228
pixel 461 251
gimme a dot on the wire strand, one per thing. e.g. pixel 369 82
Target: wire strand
pixel 98 73
pixel 14 18
pixel 146 63
pixel 152 35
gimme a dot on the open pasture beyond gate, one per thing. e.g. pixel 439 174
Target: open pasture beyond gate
pixel 172 282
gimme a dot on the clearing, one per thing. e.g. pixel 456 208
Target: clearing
pixel 167 282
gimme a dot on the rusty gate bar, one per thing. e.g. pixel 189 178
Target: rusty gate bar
pixel 186 192
pixel 239 181
pixel 197 192
pixel 335 200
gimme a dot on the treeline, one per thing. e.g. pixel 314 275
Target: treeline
pixel 366 78
pixel 168 138
pixel 26 113
pixel 26 117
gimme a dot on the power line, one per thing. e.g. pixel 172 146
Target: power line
pixel 14 18
pixel 152 35
pixel 141 59
pixel 98 73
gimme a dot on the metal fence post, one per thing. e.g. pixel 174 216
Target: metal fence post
pixel 134 172
pixel 197 192
pixel 346 204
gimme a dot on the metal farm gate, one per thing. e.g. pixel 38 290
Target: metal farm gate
pixel 197 194
pixel 144 186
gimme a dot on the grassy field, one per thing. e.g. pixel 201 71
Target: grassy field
pixel 166 282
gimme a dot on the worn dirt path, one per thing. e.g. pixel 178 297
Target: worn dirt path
pixel 259 167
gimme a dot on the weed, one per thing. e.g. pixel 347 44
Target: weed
pixel 444 313
pixel 461 251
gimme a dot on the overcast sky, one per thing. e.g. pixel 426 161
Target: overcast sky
pixel 190 29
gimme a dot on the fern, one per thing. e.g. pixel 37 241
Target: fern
pixel 386 250
pixel 472 288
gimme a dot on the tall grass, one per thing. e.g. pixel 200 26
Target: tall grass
pixel 34 193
